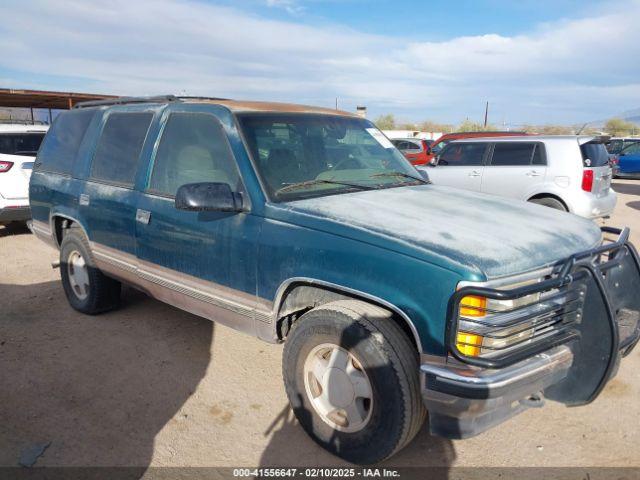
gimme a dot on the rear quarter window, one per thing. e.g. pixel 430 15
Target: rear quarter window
pixel 116 157
pixel 594 154
pixel 60 146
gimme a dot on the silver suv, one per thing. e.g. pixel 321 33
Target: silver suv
pixel 569 173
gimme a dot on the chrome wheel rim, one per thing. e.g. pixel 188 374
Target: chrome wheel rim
pixel 338 388
pixel 78 274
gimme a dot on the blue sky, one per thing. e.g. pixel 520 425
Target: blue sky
pixel 562 61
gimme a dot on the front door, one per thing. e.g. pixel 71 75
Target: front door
pixel 515 169
pixel 203 262
pixel 460 165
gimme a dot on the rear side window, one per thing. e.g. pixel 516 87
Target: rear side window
pixel 193 149
pixel 60 146
pixel 594 154
pixel 20 143
pixel 514 154
pixel 120 144
pixel 463 154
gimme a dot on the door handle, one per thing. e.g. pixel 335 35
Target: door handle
pixel 533 173
pixel 143 216
pixel 475 173
pixel 84 199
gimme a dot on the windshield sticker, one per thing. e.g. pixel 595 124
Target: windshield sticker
pixel 380 138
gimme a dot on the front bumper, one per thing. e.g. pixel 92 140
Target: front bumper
pixel 573 368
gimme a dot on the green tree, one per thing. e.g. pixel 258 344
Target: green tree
pixel 620 128
pixel 429 126
pixel 470 126
pixel 385 122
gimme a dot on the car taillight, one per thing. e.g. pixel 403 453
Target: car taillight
pixel 5 166
pixel 587 180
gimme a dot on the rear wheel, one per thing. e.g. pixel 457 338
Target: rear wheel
pixel 351 375
pixel 87 289
pixel 550 202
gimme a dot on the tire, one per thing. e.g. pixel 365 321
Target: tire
pixel 394 412
pixel 99 293
pixel 550 202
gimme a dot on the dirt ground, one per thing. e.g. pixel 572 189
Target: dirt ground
pixel 151 385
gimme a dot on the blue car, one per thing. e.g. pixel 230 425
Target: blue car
pixel 393 297
pixel 629 161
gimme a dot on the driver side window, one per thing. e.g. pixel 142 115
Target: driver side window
pixel 193 149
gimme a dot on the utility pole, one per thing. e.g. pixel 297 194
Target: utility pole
pixel 336 103
pixel 486 114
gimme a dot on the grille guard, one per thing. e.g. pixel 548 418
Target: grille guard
pixel 592 267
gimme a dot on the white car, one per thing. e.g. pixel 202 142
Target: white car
pixel 18 147
pixel 569 173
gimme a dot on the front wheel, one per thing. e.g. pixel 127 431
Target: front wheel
pixel 351 375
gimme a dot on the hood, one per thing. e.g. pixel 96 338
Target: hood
pixel 456 229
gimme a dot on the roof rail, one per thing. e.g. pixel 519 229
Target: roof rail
pixel 189 97
pixel 126 100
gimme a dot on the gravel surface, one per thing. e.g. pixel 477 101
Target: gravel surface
pixel 151 385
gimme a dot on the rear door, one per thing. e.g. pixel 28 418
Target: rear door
pixel 514 169
pixel 460 165
pixel 17 154
pixel 596 158
pixel 108 202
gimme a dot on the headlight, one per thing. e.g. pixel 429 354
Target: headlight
pixel 489 327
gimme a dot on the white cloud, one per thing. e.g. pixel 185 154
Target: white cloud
pixel 566 71
pixel 291 6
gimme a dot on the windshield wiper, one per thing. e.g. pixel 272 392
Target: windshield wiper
pixel 401 174
pixel 310 183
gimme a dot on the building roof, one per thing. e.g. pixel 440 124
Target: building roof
pixel 18 98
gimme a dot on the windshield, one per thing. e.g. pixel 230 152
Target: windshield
pixel 310 155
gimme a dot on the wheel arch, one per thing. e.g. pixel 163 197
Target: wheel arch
pixel 60 222
pixel 296 296
pixel 538 196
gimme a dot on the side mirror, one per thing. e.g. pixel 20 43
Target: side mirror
pixel 424 175
pixel 208 197
pixel 434 161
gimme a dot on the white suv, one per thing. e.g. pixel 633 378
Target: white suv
pixel 570 173
pixel 18 147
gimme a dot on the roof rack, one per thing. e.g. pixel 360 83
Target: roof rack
pixel 154 99
pixel 197 97
pixel 126 100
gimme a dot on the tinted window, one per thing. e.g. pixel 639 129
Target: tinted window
pixel 60 146
pixel 193 149
pixel 117 152
pixel 512 154
pixel 594 154
pixel 463 154
pixel 633 149
pixel 615 146
pixel 538 155
pixel 20 143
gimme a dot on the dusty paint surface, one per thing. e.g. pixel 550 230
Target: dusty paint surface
pixel 498 236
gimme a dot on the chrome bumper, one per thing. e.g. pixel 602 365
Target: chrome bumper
pixel 463 401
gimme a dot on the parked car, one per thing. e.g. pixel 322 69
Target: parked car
pixel 18 147
pixel 306 226
pixel 437 146
pixel 568 173
pixel 414 149
pixel 628 161
pixel 617 144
